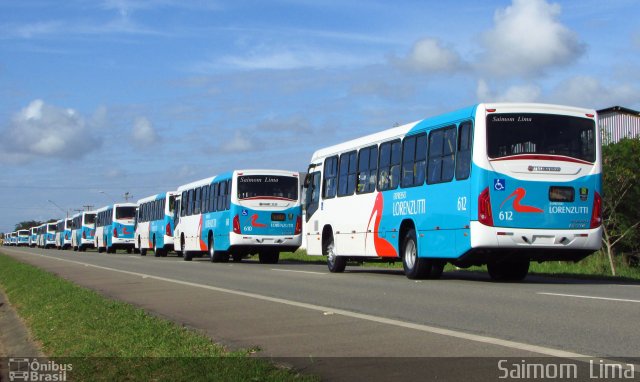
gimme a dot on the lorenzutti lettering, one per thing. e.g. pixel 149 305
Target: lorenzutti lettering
pixel 548 169
pixel 524 370
pixel 568 210
pixel 409 207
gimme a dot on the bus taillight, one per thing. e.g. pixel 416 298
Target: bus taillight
pixel 84 234
pixel 596 213
pixel 167 230
pixel 298 229
pixel 115 232
pixel 236 225
pixel 484 208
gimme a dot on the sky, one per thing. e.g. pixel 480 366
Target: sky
pixel 103 98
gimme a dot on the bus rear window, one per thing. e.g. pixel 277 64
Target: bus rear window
pixel 528 133
pixel 125 212
pixel 267 187
pixel 89 218
pixel 51 227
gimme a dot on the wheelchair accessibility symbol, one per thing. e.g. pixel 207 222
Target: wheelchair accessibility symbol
pixel 499 184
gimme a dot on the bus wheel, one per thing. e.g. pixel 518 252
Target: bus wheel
pixel 157 252
pixel 129 250
pixel 236 257
pixel 213 255
pixel 269 257
pixel 414 267
pixel 100 249
pixel 508 270
pixel 143 251
pixel 336 264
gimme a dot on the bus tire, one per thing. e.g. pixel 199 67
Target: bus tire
pixel 335 263
pixel 213 254
pixel 236 257
pixel 508 270
pixel 415 268
pixel 269 257
pixel 100 249
pixel 157 252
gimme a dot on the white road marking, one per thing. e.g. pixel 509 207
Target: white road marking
pixel 588 297
pixel 291 270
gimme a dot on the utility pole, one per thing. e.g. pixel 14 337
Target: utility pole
pixel 127 196
pixel 88 207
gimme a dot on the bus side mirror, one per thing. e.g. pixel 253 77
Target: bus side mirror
pixel 307 180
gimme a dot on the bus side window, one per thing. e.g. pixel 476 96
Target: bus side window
pixel 183 204
pixel 330 175
pixel 367 169
pixel 396 159
pixel 442 149
pixel 463 156
pixel 383 168
pixel 347 174
pixel 228 196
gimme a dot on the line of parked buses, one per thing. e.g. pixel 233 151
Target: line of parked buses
pixel 495 184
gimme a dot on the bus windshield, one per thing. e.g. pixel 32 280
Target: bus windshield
pixel 51 227
pixel 528 133
pixel 267 186
pixel 125 212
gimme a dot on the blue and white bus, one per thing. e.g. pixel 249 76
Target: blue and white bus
pixel 115 227
pixel 47 235
pixel 83 228
pixel 33 237
pixel 22 238
pixel 63 233
pixel 494 184
pixel 155 224
pixel 239 213
pixel 13 238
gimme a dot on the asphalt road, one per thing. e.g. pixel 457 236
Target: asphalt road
pixel 303 311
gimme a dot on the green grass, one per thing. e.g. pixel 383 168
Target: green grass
pixel 111 340
pixel 595 266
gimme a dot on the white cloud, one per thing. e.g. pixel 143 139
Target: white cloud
pixel 430 55
pixel 240 143
pixel 46 131
pixel 586 91
pixel 513 93
pixel 143 132
pixel 527 39
pixel 283 58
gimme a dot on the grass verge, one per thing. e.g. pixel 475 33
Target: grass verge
pixel 107 340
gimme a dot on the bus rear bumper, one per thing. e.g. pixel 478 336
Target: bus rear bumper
pixel 499 243
pixel 253 243
pixel 500 237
